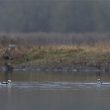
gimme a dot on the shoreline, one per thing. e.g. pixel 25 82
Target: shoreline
pixel 63 69
pixel 60 58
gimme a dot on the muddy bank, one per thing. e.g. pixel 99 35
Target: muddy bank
pixel 102 67
pixel 73 68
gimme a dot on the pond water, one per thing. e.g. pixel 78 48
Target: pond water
pixel 55 91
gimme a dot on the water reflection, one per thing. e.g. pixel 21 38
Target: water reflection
pixel 7 72
pixel 7 76
pixel 54 76
pixel 55 80
pixel 37 99
pixel 30 94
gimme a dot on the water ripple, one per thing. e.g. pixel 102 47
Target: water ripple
pixel 55 85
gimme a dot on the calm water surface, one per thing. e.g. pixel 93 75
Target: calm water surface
pixel 55 91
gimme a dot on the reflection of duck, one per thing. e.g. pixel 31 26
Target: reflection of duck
pixel 99 83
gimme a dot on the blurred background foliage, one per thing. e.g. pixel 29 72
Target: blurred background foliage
pixel 54 16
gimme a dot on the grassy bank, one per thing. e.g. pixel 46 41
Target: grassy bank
pixel 98 54
pixel 62 55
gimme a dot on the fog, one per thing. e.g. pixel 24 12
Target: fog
pixel 64 16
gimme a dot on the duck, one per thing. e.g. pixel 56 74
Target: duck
pixel 6 82
pixel 99 83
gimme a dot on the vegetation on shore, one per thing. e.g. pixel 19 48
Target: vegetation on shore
pixel 99 54
pixel 62 55
pixel 62 52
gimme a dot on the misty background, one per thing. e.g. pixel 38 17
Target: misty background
pixel 79 21
pixel 55 15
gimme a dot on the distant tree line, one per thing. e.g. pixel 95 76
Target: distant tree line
pixel 64 16
pixel 30 39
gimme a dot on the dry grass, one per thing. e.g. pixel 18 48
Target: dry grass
pixel 54 55
pixel 70 55
pixel 96 48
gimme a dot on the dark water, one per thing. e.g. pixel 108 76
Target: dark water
pixel 55 91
